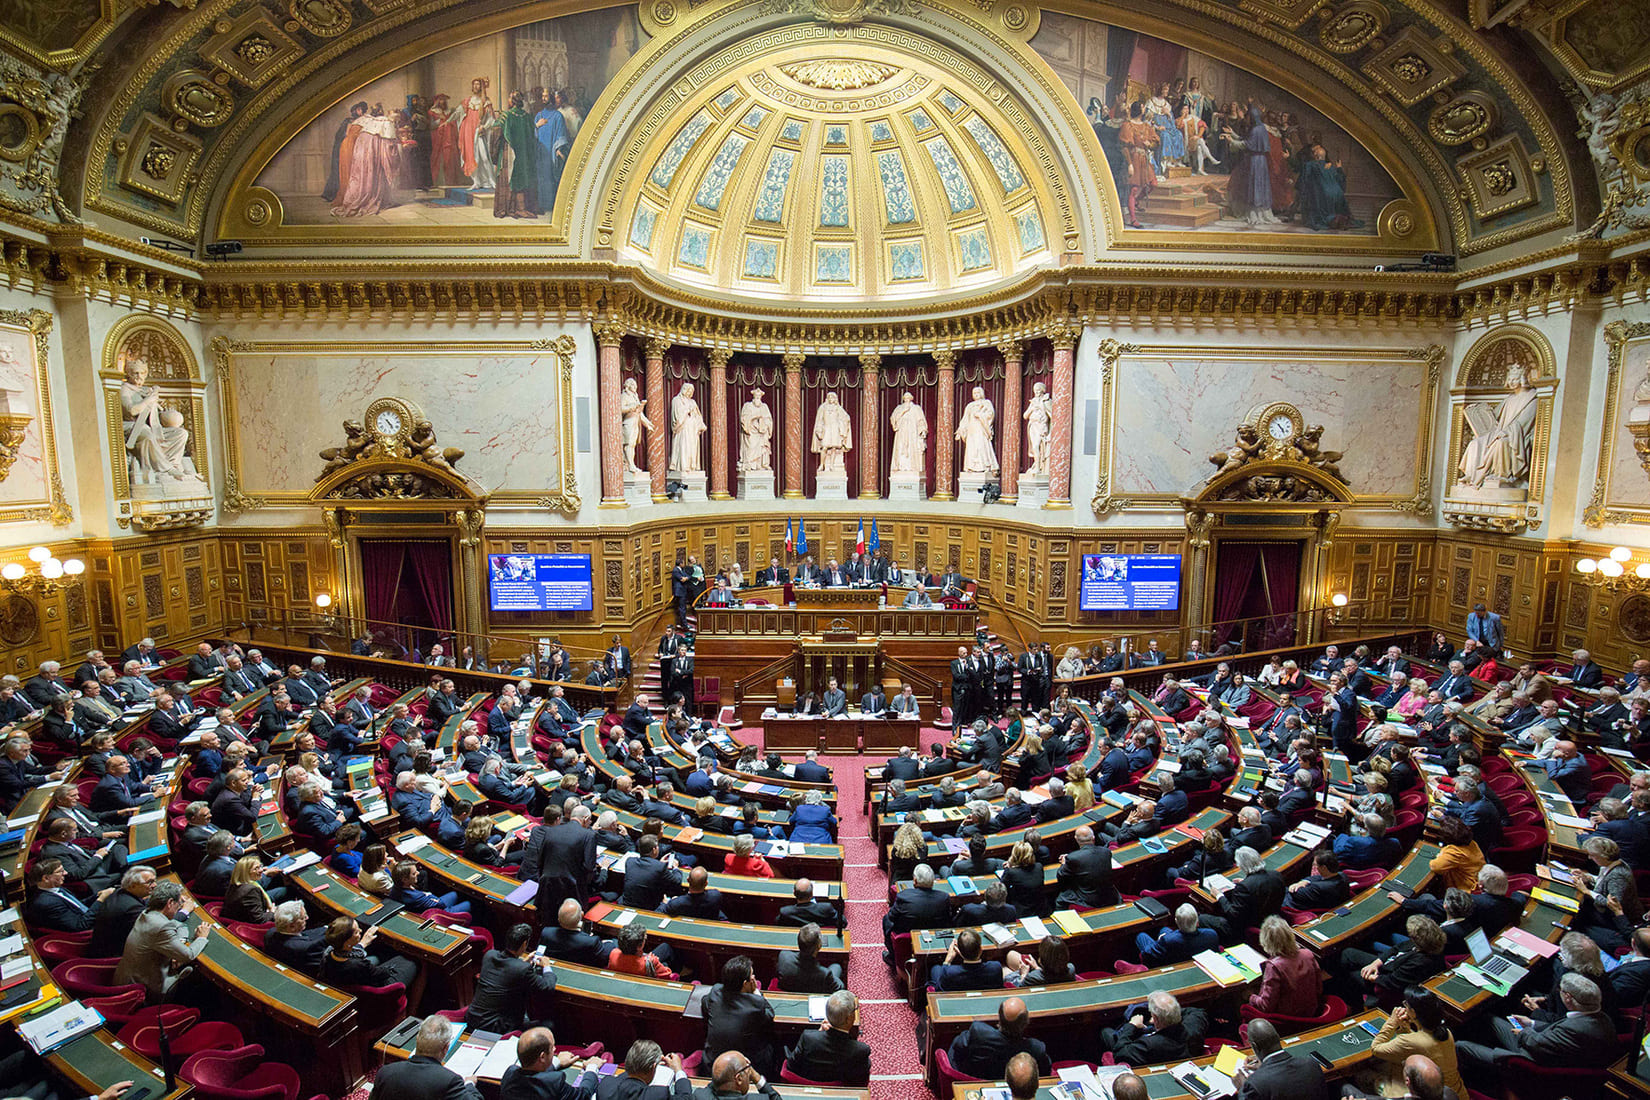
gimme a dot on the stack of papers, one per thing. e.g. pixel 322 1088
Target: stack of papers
pixel 998 934
pixel 68 1021
pixel 1034 926
pixel 816 1009
pixel 1307 835
pixel 466 1060
pixel 1203 1081
pixel 1070 921
pixel 1228 967
pixel 1569 905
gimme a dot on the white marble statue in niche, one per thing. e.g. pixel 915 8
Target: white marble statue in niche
pixel 1039 418
pixel 632 419
pixel 974 428
pixel 833 436
pixel 755 435
pixel 686 426
pixel 157 443
pixel 910 424
pixel 1497 457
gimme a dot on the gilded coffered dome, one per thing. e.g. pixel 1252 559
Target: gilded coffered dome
pixel 877 175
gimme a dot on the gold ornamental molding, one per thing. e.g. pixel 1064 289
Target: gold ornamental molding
pixel 1603 510
pixel 564 496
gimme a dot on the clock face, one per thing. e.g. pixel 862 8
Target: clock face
pixel 388 422
pixel 1280 427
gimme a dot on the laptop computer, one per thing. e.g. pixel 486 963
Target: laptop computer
pixel 1501 970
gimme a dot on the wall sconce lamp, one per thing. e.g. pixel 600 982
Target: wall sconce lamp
pixel 48 576
pixel 1615 570
pixel 1336 603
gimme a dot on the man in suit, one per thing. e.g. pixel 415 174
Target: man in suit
pixel 700 902
pixel 92 667
pixel 1058 804
pixel 1484 627
pixel 965 968
pixel 904 703
pixel 423 1077
pixel 1392 663
pixel 962 672
pixel 1584 672
pixel 1150 657
pixel 953 584
pixel 303 693
pixel 567 940
pixel 143 652
pixel 800 971
pixel 774 574
pixel 993 906
pixel 648 880
pixel 918 597
pixel 1456 684
pixel 807 909
pixel 830 1052
pixel 1172 697
pixel 293 942
pixel 262 668
pixel 1272 1073
pixel 117 790
pixel 917 906
pixel 1630 980
pixel 1033 684
pixel 47 687
pixel 1361 683
pixel 53 908
pixel 1325 888
pixel 1365 843
pixel 834 701
pixel 510 978
pixel 119 911
pixel 539 1071
pixel 96 869
pixel 1002 683
pixel 1611 818
pixel 874 703
pixel 1583 1038
pixel 833 575
pixel 1015 814
pixel 1085 875
pixel 810 770
pixel 904 766
pixel 1177 942
pixel 238 680
pixel 983 1051
pixel 1153 1032
pixel 561 857
pixel 637 718
pixel 206 663
pixel 1568 769
pixel 806 571
pixel 1258 894
pixel 234 808
pixel 1329 662
pixel 158 953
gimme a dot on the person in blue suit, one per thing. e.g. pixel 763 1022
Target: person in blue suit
pixel 812 822
pixel 405 890
pixel 1178 942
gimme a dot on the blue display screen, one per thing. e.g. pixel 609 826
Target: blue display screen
pixel 1130 582
pixel 539 582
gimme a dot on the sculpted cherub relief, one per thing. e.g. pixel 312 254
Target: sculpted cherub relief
pixel 1245 449
pixel 357 445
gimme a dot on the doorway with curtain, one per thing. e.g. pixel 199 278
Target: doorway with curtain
pixel 1257 593
pixel 407 590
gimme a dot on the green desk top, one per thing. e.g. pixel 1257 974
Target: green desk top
pixel 766 937
pixel 1373 904
pixel 1113 918
pixel 291 996
pixel 1182 979
pixel 750 885
pixel 466 876
pixel 97 1060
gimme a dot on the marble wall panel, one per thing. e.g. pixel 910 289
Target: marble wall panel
pixel 499 407
pixel 1174 412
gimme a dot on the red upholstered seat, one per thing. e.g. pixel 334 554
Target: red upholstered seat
pixel 240 1074
pixel 785 1074
pixel 1527 1080
pixel 90 977
pixel 1333 1009
pixel 185 1035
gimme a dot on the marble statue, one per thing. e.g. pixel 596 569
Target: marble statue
pixel 1499 452
pixel 756 435
pixel 1039 418
pixel 910 426
pixel 686 426
pixel 157 443
pixel 833 436
pixel 631 422
pixel 974 428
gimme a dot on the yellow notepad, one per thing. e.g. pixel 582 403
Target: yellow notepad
pixel 1070 922
pixel 1571 905
pixel 1229 1059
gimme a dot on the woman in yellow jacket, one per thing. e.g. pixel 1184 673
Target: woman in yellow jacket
pixel 1416 1027
pixel 1460 860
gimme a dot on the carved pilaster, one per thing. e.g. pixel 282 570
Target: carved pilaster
pixel 658 449
pixel 608 337
pixel 793 424
pixel 1059 449
pixel 719 424
pixel 945 447
pixel 1012 417
pixel 870 470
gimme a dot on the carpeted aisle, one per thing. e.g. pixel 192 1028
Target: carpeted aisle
pixel 886 1020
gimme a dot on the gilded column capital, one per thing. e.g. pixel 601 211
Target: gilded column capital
pixel 609 334
pixel 657 346
pixel 719 357
pixel 794 359
pixel 1064 337
pixel 870 361
pixel 945 358
pixel 1012 351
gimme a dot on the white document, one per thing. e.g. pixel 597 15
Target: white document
pixel 11 945
pixel 413 843
pixel 11 968
pixel 1218 967
pixel 1572 821
pixel 152 815
pixel 1035 927
pixel 467 1059
pixel 1218 1084
pixel 1248 956
pixel 625 917
pixel 498 1060
pixel 816 1009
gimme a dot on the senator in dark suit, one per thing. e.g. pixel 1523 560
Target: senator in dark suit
pixel 1085 875
pixel 423 1077
pixel 1278 1074
pixel 537 1074
pixel 917 906
pixel 507 984
pixel 830 1053
pixel 800 971
pixel 1584 1038
pixel 983 1050
pixel 1258 894
pixel 561 857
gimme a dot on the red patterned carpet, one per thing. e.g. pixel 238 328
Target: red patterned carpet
pixel 886 1021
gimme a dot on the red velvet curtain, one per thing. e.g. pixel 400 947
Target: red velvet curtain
pixel 917 376
pixel 381 563
pixel 1235 566
pixel 1282 562
pixel 747 373
pixel 429 563
pixel 819 377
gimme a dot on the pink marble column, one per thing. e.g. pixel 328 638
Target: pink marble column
pixel 870 472
pixel 945 445
pixel 793 424
pixel 658 453
pixel 1059 432
pixel 1010 418
pixel 608 336
pixel 719 424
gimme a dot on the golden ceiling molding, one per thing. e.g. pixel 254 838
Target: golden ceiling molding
pixel 50 268
pixel 389 26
